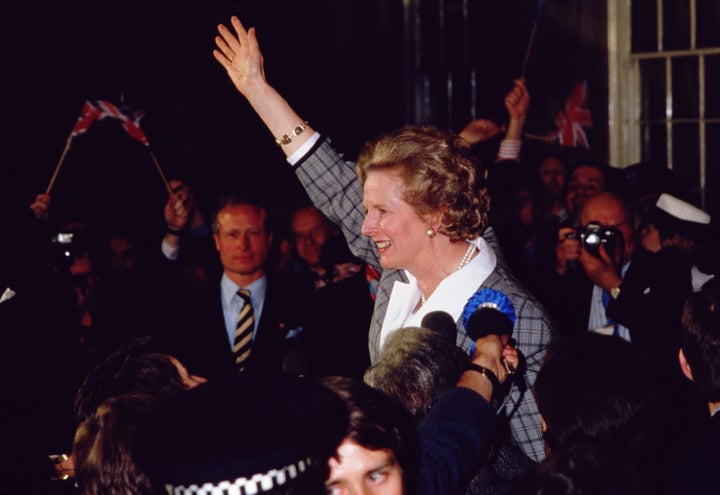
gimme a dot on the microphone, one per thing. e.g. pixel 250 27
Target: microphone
pixel 488 320
pixel 441 322
pixel 489 312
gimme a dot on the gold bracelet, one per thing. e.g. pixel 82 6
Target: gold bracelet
pixel 287 138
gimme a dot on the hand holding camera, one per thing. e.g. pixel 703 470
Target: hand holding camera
pixel 567 250
pixel 599 249
pixel 594 235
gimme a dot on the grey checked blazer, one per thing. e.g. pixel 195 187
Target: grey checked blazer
pixel 333 186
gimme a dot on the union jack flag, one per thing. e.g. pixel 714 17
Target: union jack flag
pixel 129 118
pixel 572 119
pixel 89 114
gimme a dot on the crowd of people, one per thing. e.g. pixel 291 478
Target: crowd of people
pixel 428 323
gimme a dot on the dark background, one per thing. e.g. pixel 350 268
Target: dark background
pixel 342 64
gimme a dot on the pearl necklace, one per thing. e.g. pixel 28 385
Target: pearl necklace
pixel 468 254
pixel 464 261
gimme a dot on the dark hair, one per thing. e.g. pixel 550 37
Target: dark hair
pixel 378 422
pixel 581 470
pixel 415 365
pixel 551 152
pixel 593 388
pixel 591 161
pixel 102 448
pixel 137 367
pixel 701 321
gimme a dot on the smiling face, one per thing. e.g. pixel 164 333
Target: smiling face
pixel 356 470
pixel 242 242
pixel 585 182
pixel 397 230
pixel 311 230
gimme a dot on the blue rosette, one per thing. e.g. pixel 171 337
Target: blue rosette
pixel 488 298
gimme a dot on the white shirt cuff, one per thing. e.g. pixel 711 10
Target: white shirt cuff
pixel 303 149
pixel 171 252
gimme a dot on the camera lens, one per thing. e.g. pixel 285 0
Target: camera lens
pixel 592 239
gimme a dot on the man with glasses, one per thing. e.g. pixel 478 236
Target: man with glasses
pixel 603 282
pixel 311 230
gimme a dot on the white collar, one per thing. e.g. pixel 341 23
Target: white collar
pixel 450 295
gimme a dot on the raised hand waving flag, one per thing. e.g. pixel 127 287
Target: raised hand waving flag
pixel 93 110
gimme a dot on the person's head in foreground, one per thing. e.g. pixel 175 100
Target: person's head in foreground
pixel 379 452
pixel 582 469
pixel 141 366
pixel 593 389
pixel 252 433
pixel 416 364
pixel 102 448
pixel 700 353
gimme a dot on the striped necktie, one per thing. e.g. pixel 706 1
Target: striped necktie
pixel 242 343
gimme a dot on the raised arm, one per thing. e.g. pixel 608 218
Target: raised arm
pixel 487 360
pixel 181 215
pixel 459 428
pixel 239 53
pixel 517 102
pixel 331 183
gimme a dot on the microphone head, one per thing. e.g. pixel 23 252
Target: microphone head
pixel 441 322
pixel 488 320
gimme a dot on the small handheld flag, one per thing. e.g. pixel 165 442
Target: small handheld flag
pixel 93 110
pixel 89 114
pixel 129 118
pixel 571 121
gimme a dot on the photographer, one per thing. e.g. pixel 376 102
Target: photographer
pixel 591 262
pixel 604 282
pixel 616 289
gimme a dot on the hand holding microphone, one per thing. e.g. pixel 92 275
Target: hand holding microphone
pixel 490 348
pixel 490 312
pixel 488 320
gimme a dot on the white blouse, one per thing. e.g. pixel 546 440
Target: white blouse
pixel 450 296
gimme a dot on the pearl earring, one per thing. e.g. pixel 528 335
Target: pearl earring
pixel 431 232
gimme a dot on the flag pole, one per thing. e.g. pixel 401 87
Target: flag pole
pixel 60 162
pixel 162 175
pixel 536 137
pixel 529 48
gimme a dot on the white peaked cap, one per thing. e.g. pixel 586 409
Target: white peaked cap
pixel 682 210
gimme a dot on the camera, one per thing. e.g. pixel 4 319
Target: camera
pixel 70 244
pixel 593 235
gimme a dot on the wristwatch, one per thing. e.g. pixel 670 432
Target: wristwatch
pixel 488 373
pixel 615 292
